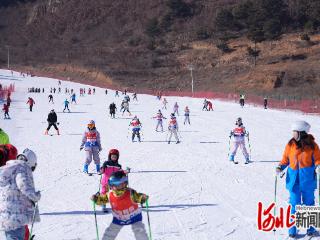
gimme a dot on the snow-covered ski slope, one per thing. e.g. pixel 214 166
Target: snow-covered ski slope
pixel 195 192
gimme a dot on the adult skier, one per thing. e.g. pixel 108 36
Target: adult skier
pixel 134 97
pixel 18 195
pixel 173 128
pixel 50 98
pixel 302 157
pixel 125 208
pixel 31 102
pixel 239 133
pixel 52 121
pixel 164 103
pixel 112 109
pixel 159 117
pixel 73 98
pixel 241 101
pixel 176 109
pixel 136 125
pixel 92 146
pixel 265 102
pixel 125 106
pixel 205 105
pixel 186 115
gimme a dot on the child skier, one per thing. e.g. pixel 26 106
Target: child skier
pixel 239 134
pixel 136 127
pixel 6 111
pixel 66 105
pixel 176 109
pixel 159 118
pixel 124 205
pixel 186 115
pixel 109 167
pixel 173 128
pixel 92 145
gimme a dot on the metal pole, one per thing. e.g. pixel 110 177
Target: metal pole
pixel 192 82
pixel 8 57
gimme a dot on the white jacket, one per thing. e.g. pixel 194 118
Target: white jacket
pixel 17 195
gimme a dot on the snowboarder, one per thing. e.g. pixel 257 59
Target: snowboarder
pixel 239 133
pixel 52 121
pixel 92 145
pixel 124 205
pixel 18 195
pixel 108 167
pixel 50 98
pixel 164 103
pixel 159 118
pixel 112 109
pixel 176 109
pixel 173 128
pixel 186 115
pixel 302 157
pixel 5 109
pixel 66 105
pixel 136 127
pixel 31 102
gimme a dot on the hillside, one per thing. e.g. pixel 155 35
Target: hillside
pixel 122 43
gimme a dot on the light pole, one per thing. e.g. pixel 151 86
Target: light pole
pixel 191 68
pixel 7 46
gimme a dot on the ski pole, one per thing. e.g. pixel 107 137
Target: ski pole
pixel 33 219
pixel 95 219
pixel 275 199
pixel 229 146
pixel 147 206
pixel 249 146
pixel 318 188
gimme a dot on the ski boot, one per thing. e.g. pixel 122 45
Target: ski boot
pixel 231 158
pixel 168 142
pixel 247 160
pixel 85 168
pixel 178 142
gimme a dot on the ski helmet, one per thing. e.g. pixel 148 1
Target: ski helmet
pixel 159 111
pixel 172 115
pixel 30 157
pixel 117 178
pixel 91 124
pixel 113 152
pixel 239 121
pixel 300 126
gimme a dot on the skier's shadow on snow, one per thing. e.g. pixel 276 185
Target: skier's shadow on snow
pixel 154 141
pixel 159 171
pixel 210 142
pixel 189 131
pixel 264 161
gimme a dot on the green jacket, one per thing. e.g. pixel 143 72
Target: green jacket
pixel 4 138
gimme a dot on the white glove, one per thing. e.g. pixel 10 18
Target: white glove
pixel 318 169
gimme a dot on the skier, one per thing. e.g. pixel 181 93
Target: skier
pixel 8 100
pixel 81 92
pixel 159 118
pixel 205 105
pixel 106 91
pixel 59 90
pixel 50 98
pixel 112 109
pixel 164 103
pixel 239 134
pixel 93 91
pixel 209 106
pixel 173 128
pixel 66 105
pixel 18 195
pixel 134 97
pixel 109 167
pixel 30 102
pixel 176 109
pixel 52 121
pixel 4 138
pixel 89 91
pixel 265 102
pixel 92 145
pixel 136 127
pixel 124 205
pixel 186 115
pixel 126 98
pixel 5 109
pixel 302 157
pixel 73 98
pixel 125 106
pixel 117 94
pixel 241 101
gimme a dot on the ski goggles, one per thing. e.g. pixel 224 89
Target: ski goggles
pixel 90 125
pixel 117 182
